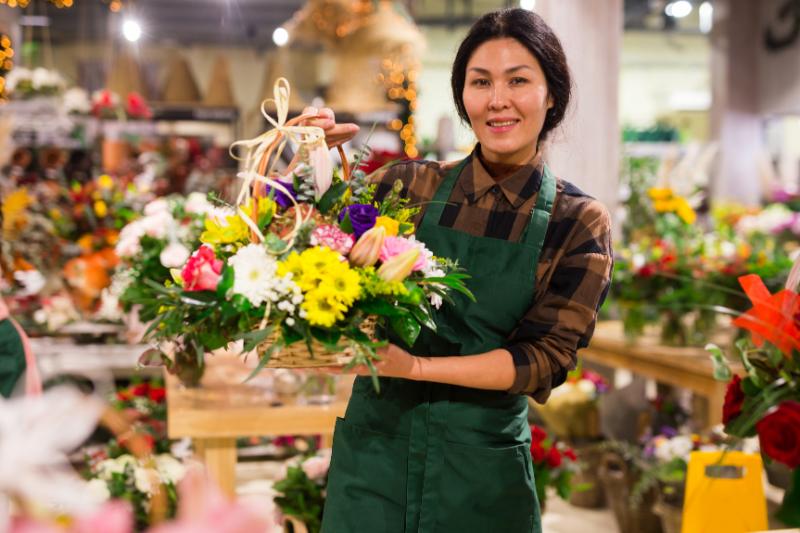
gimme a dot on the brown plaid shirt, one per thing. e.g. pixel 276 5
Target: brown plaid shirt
pixel 574 268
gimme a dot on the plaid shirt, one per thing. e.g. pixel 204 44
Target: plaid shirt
pixel 574 270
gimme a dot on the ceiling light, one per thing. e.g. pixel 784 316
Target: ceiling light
pixel 131 30
pixel 678 9
pixel 530 5
pixel 280 36
pixel 706 13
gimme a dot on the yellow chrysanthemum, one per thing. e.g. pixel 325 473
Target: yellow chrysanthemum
pixel 391 226
pixel 105 182
pixel 685 211
pixel 291 265
pixel 232 230
pixel 320 258
pixel 664 206
pixel 100 208
pixel 660 193
pixel 323 308
pixel 265 210
pixel 346 284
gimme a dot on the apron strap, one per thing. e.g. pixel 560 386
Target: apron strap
pixel 434 211
pixel 540 216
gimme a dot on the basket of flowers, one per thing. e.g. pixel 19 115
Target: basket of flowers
pixel 302 267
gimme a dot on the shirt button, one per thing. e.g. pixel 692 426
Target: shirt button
pixel 495 189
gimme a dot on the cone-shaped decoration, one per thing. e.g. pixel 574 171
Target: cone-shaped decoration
pixel 125 77
pixel 180 86
pixel 220 90
pixel 279 66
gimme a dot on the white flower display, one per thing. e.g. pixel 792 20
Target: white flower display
pixel 197 204
pixel 17 75
pixel 43 78
pixel 678 447
pixel 170 469
pixel 76 101
pixel 32 282
pixel 255 278
pixel 159 205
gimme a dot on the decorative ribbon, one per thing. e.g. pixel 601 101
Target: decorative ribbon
pixel 257 153
pixel 33 382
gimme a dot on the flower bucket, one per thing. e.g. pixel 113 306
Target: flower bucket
pixel 618 481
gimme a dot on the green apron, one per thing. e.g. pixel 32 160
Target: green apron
pixel 429 457
pixel 12 357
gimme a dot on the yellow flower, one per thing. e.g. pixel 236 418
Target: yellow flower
pixel 391 226
pixel 100 208
pixel 86 242
pixel 291 265
pixel 323 308
pixel 664 206
pixel 660 193
pixel 266 209
pixel 55 214
pixel 14 206
pixel 345 283
pixel 232 230
pixel 105 182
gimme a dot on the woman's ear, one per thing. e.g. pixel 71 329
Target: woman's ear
pixel 550 102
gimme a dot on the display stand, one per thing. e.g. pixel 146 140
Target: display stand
pixel 224 408
pixel 685 367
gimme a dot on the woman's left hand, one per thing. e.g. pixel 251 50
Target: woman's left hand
pixel 394 362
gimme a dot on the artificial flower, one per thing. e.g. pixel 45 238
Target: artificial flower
pixel 202 270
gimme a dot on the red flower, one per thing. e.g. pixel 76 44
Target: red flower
pixel 537 453
pixel 137 107
pixel 570 454
pixel 554 457
pixel 779 434
pixel 157 394
pixel 202 270
pixel 537 434
pixel 646 271
pixel 734 398
pixel 123 395
pixel 772 317
pixel 141 390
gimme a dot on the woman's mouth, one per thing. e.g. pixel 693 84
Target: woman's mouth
pixel 501 125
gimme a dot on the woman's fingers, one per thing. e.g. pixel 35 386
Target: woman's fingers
pixel 335 134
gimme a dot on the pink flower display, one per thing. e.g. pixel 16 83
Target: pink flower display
pixel 393 246
pixel 202 270
pixel 332 237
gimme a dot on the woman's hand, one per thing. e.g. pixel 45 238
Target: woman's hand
pixel 335 134
pixel 395 363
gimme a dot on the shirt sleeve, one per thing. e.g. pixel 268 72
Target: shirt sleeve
pixel 574 285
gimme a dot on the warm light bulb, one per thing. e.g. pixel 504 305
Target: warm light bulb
pixel 131 30
pixel 678 9
pixel 280 36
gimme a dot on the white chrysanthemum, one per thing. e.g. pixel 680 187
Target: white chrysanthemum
pixel 254 273
pixel 169 468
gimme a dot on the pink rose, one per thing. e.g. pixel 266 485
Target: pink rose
pixel 393 246
pixel 332 237
pixel 316 467
pixel 202 270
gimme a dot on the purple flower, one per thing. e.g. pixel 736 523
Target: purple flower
pixel 362 217
pixel 280 197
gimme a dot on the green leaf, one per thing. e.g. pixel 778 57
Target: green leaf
pixel 329 338
pixel 346 225
pixel 278 346
pixel 225 282
pixel 290 335
pixel 422 314
pixel 274 243
pixel 211 339
pixel 331 196
pixel 722 371
pixel 407 327
pixel 254 338
pixel 379 307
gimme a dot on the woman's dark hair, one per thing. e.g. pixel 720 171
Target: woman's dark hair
pixel 531 31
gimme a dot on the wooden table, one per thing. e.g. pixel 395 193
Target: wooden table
pixel 689 368
pixel 224 408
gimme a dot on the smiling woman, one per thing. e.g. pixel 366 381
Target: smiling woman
pixel 445 446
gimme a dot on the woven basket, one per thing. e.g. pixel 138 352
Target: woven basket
pixel 297 355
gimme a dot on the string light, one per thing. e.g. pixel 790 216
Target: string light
pixel 399 78
pixel 24 3
pixel 6 62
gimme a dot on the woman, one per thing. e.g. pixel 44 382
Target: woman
pixel 445 445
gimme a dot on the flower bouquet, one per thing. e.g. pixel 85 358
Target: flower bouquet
pixel 554 465
pixel 766 400
pixel 301 492
pixel 301 267
pixel 571 411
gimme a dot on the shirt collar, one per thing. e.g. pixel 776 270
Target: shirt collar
pixel 517 187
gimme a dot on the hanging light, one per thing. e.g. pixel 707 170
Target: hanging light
pixel 678 9
pixel 131 30
pixel 530 5
pixel 280 36
pixel 706 13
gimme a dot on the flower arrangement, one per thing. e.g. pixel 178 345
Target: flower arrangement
pixel 25 83
pixel 301 492
pixel 300 266
pixel 765 402
pixel 571 412
pixel 108 104
pixel 554 465
pixel 134 480
pixel 144 404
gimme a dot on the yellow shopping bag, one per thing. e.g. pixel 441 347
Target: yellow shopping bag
pixel 724 493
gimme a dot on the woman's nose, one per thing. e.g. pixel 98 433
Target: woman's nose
pixel 499 98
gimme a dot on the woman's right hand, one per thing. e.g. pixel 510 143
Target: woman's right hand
pixel 335 134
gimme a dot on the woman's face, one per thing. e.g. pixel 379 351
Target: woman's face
pixel 506 99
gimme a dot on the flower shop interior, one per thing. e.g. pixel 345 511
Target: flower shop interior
pixel 160 372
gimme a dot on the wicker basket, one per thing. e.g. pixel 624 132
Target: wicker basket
pixel 298 355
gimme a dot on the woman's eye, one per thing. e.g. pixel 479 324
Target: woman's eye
pixel 480 82
pixel 518 81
